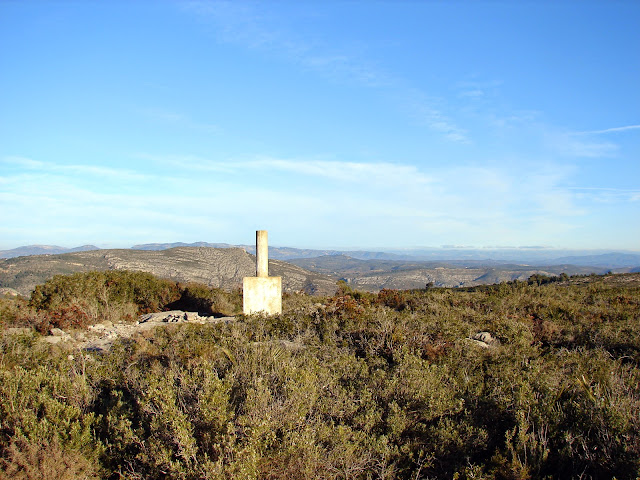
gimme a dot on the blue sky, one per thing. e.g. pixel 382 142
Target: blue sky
pixel 331 124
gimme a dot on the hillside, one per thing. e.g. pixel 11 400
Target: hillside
pixel 222 268
pixel 279 253
pixel 225 267
pixel 621 262
pixel 374 275
pixel 456 256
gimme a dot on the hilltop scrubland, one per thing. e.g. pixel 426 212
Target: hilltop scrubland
pixel 353 386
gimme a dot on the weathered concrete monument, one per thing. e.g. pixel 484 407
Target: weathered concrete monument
pixel 262 293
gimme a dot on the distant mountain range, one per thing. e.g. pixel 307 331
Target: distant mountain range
pixel 43 250
pixel 315 271
pixel 373 275
pixel 462 256
pixel 451 256
pixel 605 260
pixel 279 253
pixel 530 256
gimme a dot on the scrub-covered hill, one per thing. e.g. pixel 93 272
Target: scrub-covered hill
pixel 216 267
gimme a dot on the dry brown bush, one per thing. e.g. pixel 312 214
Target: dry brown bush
pixel 45 460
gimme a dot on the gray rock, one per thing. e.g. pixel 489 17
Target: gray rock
pixel 53 340
pixel 484 340
pixel 56 332
pixel 9 291
pixel 193 317
pixel 19 330
pixel 99 338
pixel 174 316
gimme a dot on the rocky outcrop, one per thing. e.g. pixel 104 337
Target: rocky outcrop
pixel 101 336
pixel 220 268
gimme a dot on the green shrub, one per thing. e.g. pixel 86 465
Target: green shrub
pixel 356 386
pixel 85 298
pixel 78 300
pixel 14 312
pixel 208 301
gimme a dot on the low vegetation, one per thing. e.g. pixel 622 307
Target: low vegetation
pixel 82 299
pixel 353 386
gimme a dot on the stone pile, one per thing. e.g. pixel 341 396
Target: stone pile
pixel 484 340
pixel 101 336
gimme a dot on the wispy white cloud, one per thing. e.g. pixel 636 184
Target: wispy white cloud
pixel 340 67
pixel 246 25
pixel 236 22
pixel 611 130
pixel 425 112
pixel 585 144
pixel 22 162
pixel 475 89
pixel 606 194
pixel 508 122
pixel 94 171
pixel 38 207
pixel 250 26
pixel 373 174
pixel 100 172
pixel 472 93
pixel 179 120
pixel 189 163
pixel 475 204
pixel 576 145
pixel 469 194
pixel 590 149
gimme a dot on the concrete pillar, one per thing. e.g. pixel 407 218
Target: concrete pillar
pixel 262 254
pixel 262 293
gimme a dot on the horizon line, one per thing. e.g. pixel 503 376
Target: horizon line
pixel 379 249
